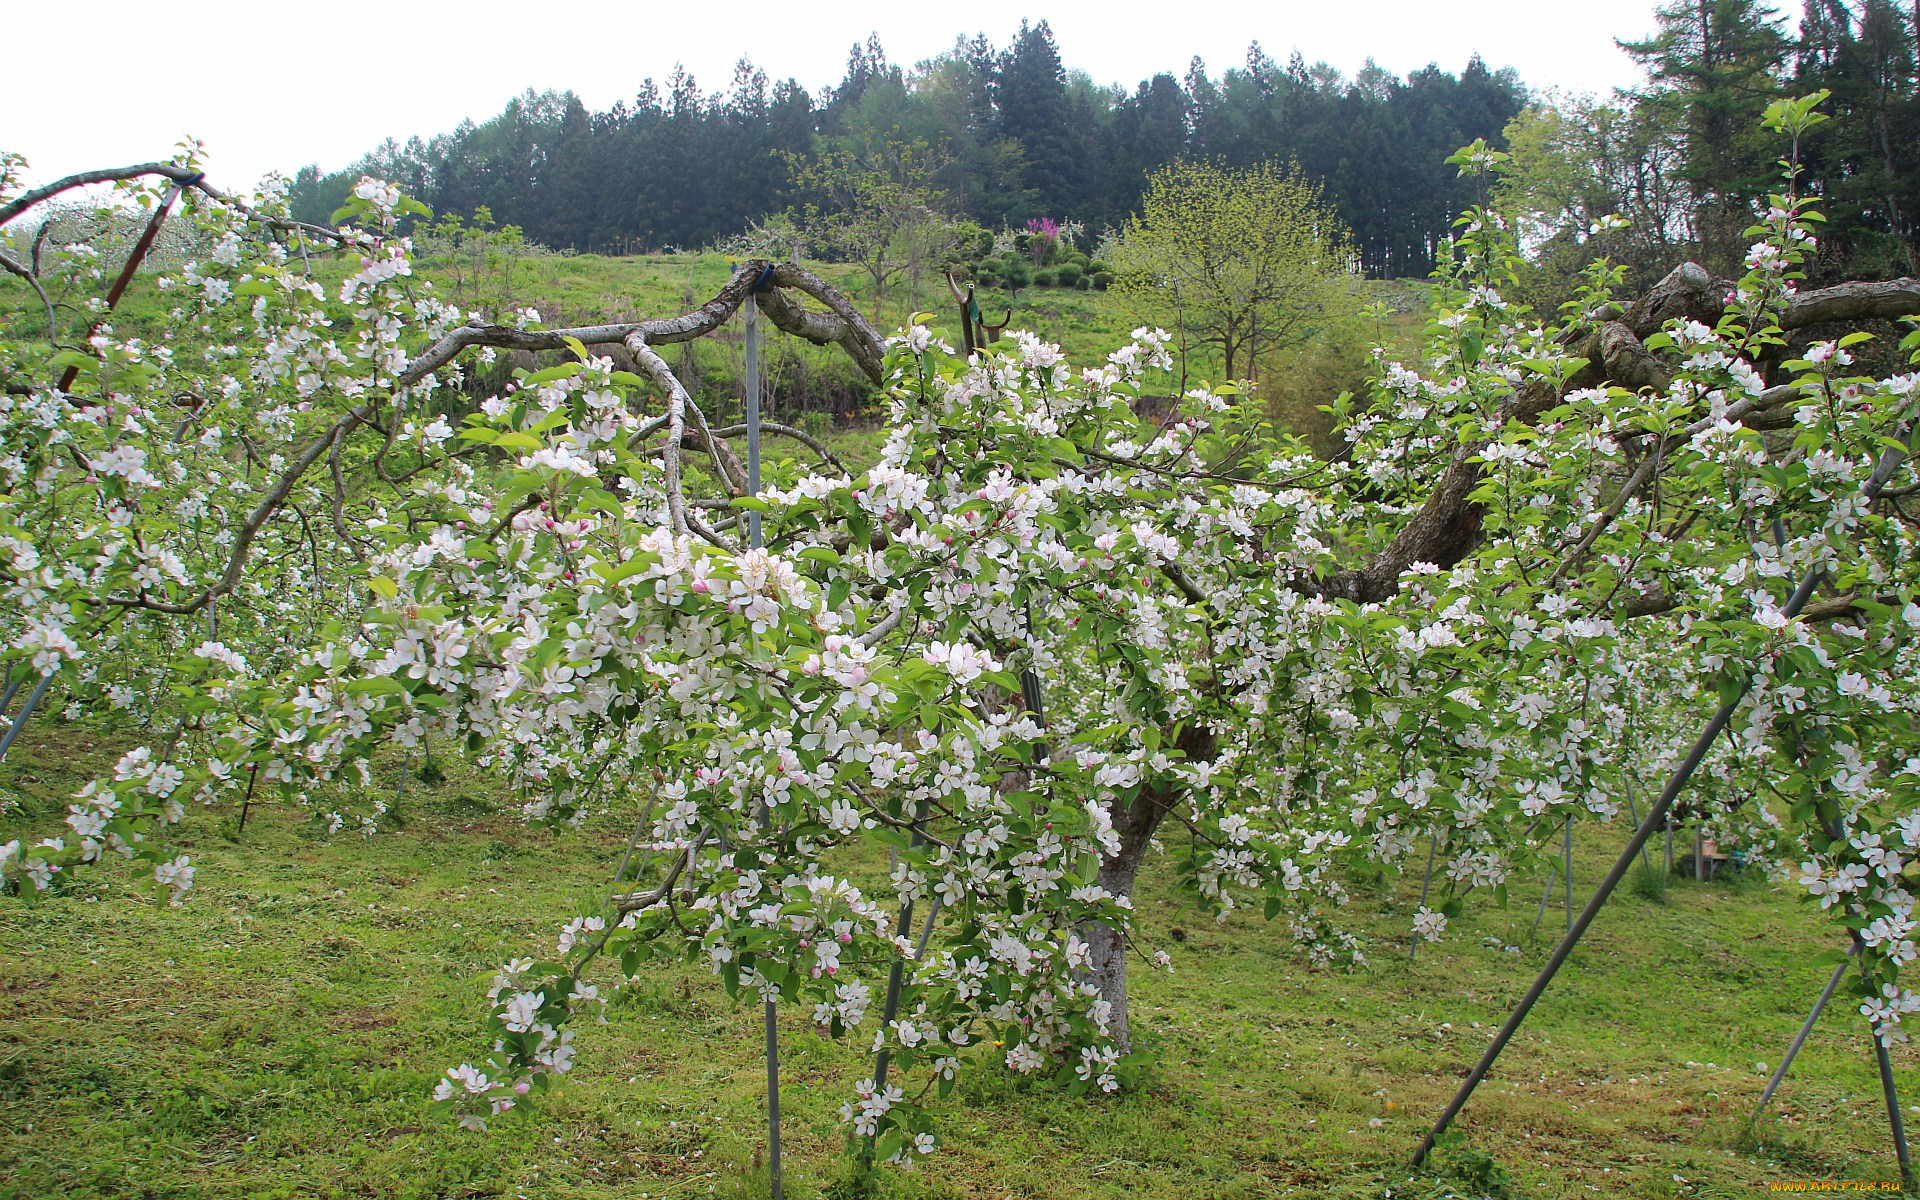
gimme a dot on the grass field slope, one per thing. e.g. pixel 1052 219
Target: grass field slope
pixel 279 1035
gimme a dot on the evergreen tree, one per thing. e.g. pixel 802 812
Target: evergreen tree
pixel 1712 68
pixel 1017 136
pixel 1030 96
pixel 1866 160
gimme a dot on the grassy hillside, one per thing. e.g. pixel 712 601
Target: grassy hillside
pixel 810 385
pixel 278 1037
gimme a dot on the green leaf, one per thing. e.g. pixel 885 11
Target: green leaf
pixel 549 374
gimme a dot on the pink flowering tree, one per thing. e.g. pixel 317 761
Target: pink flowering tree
pixel 1548 551
pixel 1043 235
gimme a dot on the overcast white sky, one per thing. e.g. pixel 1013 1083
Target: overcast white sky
pixel 268 84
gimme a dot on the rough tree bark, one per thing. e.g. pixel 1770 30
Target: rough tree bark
pixel 1136 825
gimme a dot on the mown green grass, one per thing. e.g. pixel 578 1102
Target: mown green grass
pixel 278 1037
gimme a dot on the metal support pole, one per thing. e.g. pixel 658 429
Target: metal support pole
pixel 1894 1120
pixel 1633 810
pixel 1553 873
pixel 246 803
pixel 753 415
pixel 1433 844
pixel 1699 855
pixel 1030 691
pixel 6 696
pixel 1799 1040
pixel 1889 462
pixel 773 1101
pixel 752 317
pixel 1592 910
pixel 1566 869
pixel 926 931
pixel 26 710
pixel 125 277
pixel 891 1008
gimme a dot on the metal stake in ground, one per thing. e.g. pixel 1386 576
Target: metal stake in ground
pixel 891 1008
pixel 1633 810
pixel 1893 1107
pixel 752 316
pixel 1566 868
pixel 1830 819
pixel 1620 867
pixel 26 710
pixel 1553 875
pixel 139 252
pixel 773 1101
pixel 1882 472
pixel 753 415
pixel 1799 1040
pixel 1433 844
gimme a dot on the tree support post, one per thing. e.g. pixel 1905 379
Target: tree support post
pixel 1894 1120
pixel 1883 471
pixel 1646 860
pixel 891 1009
pixel 1539 914
pixel 773 1101
pixel 1433 844
pixel 752 322
pixel 1655 815
pixel 139 253
pixel 1799 1040
pixel 752 307
pixel 1566 868
pixel 26 710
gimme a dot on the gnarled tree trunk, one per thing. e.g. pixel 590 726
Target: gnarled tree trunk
pixel 1136 824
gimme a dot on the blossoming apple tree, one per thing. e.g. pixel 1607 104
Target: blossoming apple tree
pixel 1548 550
